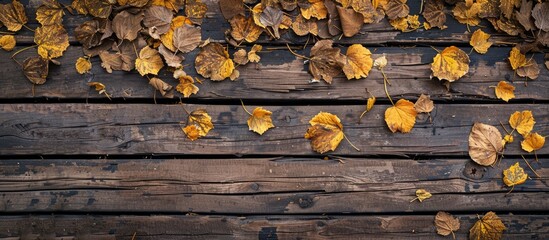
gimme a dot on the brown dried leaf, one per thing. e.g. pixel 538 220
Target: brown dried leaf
pixel 485 143
pixel 148 62
pixel 467 15
pixel 36 69
pixel 167 38
pixel 83 65
pixel 530 69
pixel 434 13
pixel 12 15
pixel 397 9
pixel 541 16
pixel 186 86
pixel 508 6
pixel 186 38
pixel 49 13
pixel 7 42
pixel 126 25
pixel 165 89
pixel 52 41
pixel 509 26
pixel 446 224
pixel 241 57
pixel 351 21
pixel 214 62
pixel 243 28
pixel 359 62
pixel 171 59
pixel 302 26
pixel 158 20
pixel 260 120
pixel 326 61
pixel 505 91
pixel 524 16
pixel 424 104
pixel 231 8
pixel 195 9
pixel 92 33
pixel 134 3
pixel 173 5
pixel 271 17
pixel 479 41
pixel 326 132
pixel 489 227
pixel 99 8
pixel 80 6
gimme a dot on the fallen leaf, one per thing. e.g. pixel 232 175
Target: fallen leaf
pixel 516 58
pixel 134 3
pixel 508 138
pixel 123 59
pixel 260 120
pixel 505 91
pixel 489 227
pixel 252 54
pixel 370 103
pixel 302 26
pixel 507 7
pixel 126 25
pixel 326 61
pixel 524 16
pixel 532 142
pixel 92 33
pixel 172 59
pixel 167 38
pixel 424 104
pixel 530 69
pixel 234 75
pixel 158 18
pixel 165 89
pixel 271 17
pixel 148 62
pixel 325 132
pixel 243 28
pixel 406 24
pixel 359 62
pixel 13 16
pixel 514 175
pixel 446 224
pixel 186 38
pixel 434 13
pixel 214 62
pixel 450 64
pixel 199 124
pixel 231 8
pixel 83 65
pixel 36 69
pixel 100 88
pixel 541 15
pixel 422 194
pixel 509 26
pixel 351 21
pixel 479 41
pixel 99 8
pixel 401 117
pixel 485 143
pixel 80 6
pixel 195 9
pixel 52 41
pixel 241 57
pixel 397 9
pixel 523 122
pixel 49 13
pixel 467 15
pixel 7 42
pixel 316 9
pixel 186 86
pixel 380 62
pixel 192 132
pixel 173 5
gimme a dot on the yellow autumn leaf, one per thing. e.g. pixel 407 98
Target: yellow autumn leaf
pixel 100 88
pixel 316 9
pixel 422 194
pixel 517 59
pixel 202 120
pixel 532 142
pixel 359 62
pixel 401 117
pixel 325 132
pixel 505 91
pixel 167 38
pixel 13 16
pixel 450 64
pixel 148 62
pixel 252 54
pixel 186 86
pixel 173 5
pixel 51 12
pixel 52 41
pixel 192 132
pixel 508 138
pixel 370 103
pixel 7 42
pixel 83 65
pixel 523 122
pixel 514 175
pixel 467 15
pixel 489 227
pixel 479 41
pixel 214 62
pixel 260 120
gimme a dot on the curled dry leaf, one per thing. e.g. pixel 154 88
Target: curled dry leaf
pixel 316 9
pixel 100 88
pixel 83 65
pixel 168 39
pixel 252 54
pixel 13 16
pixel 489 227
pixel 126 25
pixel 530 69
pixel 49 13
pixel 479 41
pixel 173 5
pixel 351 21
pixel 241 57
pixel 424 104
pixel 302 26
pixel 231 8
pixel 260 120
pixel 199 124
pixel 446 224
pixel 195 9
pixel 271 17
pixel 523 122
pixel 359 62
pixel 186 86
pixel 485 144
pixel 214 62
pixel 422 194
pixel 508 138
pixel 397 9
pixel 52 41
pixel 380 62
pixel 541 15
pixel 514 175
pixel 532 142
pixel 434 13
pixel 467 15
pixel 450 64
pixel 36 69
pixel 172 59
pixel 92 33
pixel 186 38
pixel 401 117
pixel 505 91
pixel 325 132
pixel 243 28
pixel 7 42
pixel 123 59
pixel 326 61
pixel 165 89
pixel 148 62
pixel 158 20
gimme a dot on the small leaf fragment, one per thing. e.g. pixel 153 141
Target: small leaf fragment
pixel 7 42
pixel 401 117
pixel 83 65
pixel 514 175
pixel 260 121
pixel 422 194
pixel 240 57
pixel 505 91
pixel 489 227
pixel 424 104
pixel 252 54
pixel 165 89
pixel 532 142
pixel 485 144
pixel 186 86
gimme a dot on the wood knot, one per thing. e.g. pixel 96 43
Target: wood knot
pixel 305 202
pixel 473 170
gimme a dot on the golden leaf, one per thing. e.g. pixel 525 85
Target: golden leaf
pixel 370 103
pixel 434 13
pixel 36 69
pixel 485 143
pixel 243 28
pixel 317 9
pixel 49 13
pixel 467 15
pixel 186 86
pixel 532 142
pixel 260 120
pixel 523 122
pixel 446 224
pixel 479 41
pixel 167 38
pixel 173 5
pixel 530 69
pixel 508 138
pixel 424 104
pixel 406 24
pixel 505 91
pixel 195 9
pixel 202 123
pixel 489 227
pixel 422 194
pixel 325 132
pixel 13 16
pixel 514 175
pixel 214 62
pixel 516 58
pixel 83 65
pixel 302 26
pixel 100 88
pixel 80 6
pixel 165 89
pixel 134 3
pixel 52 41
pixel 401 117
pixel 192 132
pixel 507 7
pixel 99 8
pixel 359 62
pixel 252 54
pixel 148 62
pixel 326 61
pixel 7 42
pixel 397 9
pixel 450 64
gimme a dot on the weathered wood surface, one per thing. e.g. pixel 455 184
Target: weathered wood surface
pixel 254 227
pixel 265 186
pixel 149 128
pixel 281 76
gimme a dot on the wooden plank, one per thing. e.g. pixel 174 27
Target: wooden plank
pixel 148 128
pixel 254 227
pixel 264 186
pixel 281 76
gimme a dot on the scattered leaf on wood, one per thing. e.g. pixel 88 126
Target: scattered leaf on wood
pixel 326 61
pixel 36 69
pixel 83 65
pixel 172 59
pixel 434 13
pixel 514 175
pixel 241 57
pixel 158 18
pixel 401 117
pixel 541 15
pixel 380 62
pixel 168 39
pixel 243 28
pixel 260 120
pixel 186 38
pixel 173 5
pixel 467 15
pixel 252 54
pixel 214 62
pixel 523 122
pixel 485 144
pixel 302 26
pixel 148 62
pixel 7 42
pixel 199 124
pixel 325 132
pixel 422 194
pixel 49 13
pixel 424 104
pixel 406 24
pixel 446 224
pixel 231 8
pixel 397 9
pixel 479 41
pixel 505 91
pixel 186 86
pixel 532 142
pixel 165 89
pixel 489 227
pixel 516 58
pixel 92 33
pixel 13 16
pixel 359 62
pixel 508 138
pixel 450 64
pixel 126 25
pixel 100 88
pixel 316 9
pixel 52 41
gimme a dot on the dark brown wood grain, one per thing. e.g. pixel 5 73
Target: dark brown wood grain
pixel 150 128
pixel 254 227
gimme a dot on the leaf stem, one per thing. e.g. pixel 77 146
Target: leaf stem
pixel 8 33
pixel 385 80
pixel 512 187
pixel 22 50
pixel 295 54
pixel 527 163
pixel 352 145
pixel 244 107
pixel 27 27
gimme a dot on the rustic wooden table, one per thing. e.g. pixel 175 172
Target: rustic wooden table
pixel 78 165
